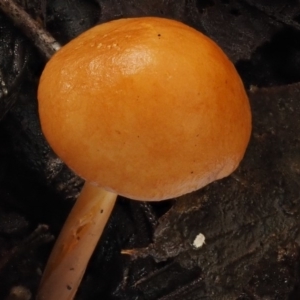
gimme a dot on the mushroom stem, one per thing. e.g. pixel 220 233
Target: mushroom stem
pixel 76 243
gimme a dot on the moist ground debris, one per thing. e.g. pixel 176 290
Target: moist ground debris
pixel 250 220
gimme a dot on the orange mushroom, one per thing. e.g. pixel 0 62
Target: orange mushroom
pixel 147 108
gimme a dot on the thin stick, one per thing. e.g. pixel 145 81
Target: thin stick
pixel 76 243
pixel 32 29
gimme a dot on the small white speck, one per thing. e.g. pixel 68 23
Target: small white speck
pixel 199 241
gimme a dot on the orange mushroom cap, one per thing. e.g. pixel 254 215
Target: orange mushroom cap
pixel 148 108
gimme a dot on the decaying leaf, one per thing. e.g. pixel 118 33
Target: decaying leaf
pixel 252 215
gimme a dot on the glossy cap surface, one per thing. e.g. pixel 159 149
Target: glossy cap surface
pixel 146 107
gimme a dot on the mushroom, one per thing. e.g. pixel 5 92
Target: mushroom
pixel 147 108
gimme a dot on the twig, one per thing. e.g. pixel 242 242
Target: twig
pixel 32 29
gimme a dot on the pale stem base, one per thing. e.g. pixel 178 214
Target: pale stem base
pixel 76 243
